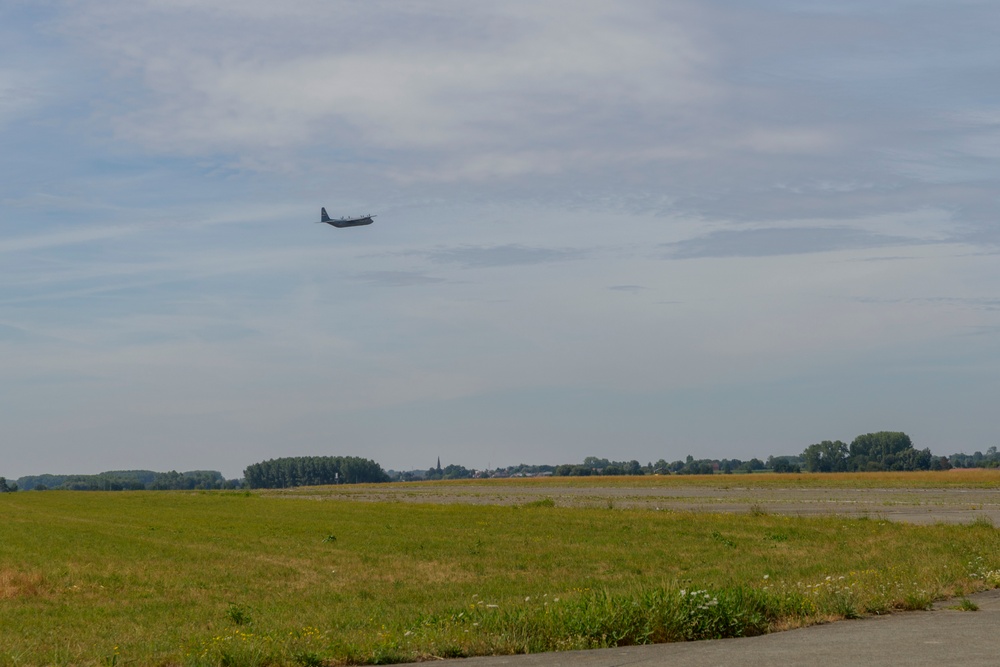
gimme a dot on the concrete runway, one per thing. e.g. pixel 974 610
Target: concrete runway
pixel 916 639
pixel 911 505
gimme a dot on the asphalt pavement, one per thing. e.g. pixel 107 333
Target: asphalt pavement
pixel 939 637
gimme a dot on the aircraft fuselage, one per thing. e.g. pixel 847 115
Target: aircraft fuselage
pixel 350 222
pixel 345 222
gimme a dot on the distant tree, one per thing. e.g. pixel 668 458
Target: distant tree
pixel 435 471
pixel 29 482
pixel 356 470
pixel 783 464
pixel 887 450
pixel 144 477
pixel 312 470
pixel 991 459
pixel 596 463
pixel 633 468
pixel 456 472
pixel 661 467
pixel 5 487
pixel 826 456
pixel 878 451
pixel 172 480
pixel 940 463
pixel 702 467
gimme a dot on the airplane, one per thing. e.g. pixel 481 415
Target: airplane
pixel 344 222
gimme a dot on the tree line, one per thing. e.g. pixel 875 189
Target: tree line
pixel 596 466
pixel 991 459
pixel 129 480
pixel 883 450
pixel 274 473
pixel 312 471
pixel 871 452
pixel 888 450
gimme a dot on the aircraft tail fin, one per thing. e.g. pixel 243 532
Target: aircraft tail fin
pixel 323 217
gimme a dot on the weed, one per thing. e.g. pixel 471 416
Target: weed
pixel 756 509
pixel 239 614
pixel 308 659
pixel 452 651
pixel 238 649
pixel 477 547
pixel 543 502
pixel 600 618
pixel 842 603
pixel 719 537
pixel 916 601
pixel 111 659
pixel 965 604
pixel 979 570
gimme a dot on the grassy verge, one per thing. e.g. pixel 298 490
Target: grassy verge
pixel 234 579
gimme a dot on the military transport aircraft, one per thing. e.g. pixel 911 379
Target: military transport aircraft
pixel 344 222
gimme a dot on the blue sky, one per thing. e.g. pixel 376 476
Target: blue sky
pixel 625 229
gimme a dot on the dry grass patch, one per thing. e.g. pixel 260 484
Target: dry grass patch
pixel 18 584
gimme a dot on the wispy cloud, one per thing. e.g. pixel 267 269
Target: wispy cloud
pixel 494 79
pixel 974 303
pixel 779 241
pixel 65 237
pixel 398 278
pixel 501 255
pixel 18 95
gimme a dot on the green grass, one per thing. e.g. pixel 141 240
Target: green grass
pixel 965 604
pixel 233 579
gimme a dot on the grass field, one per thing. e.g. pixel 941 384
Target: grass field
pixel 227 578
